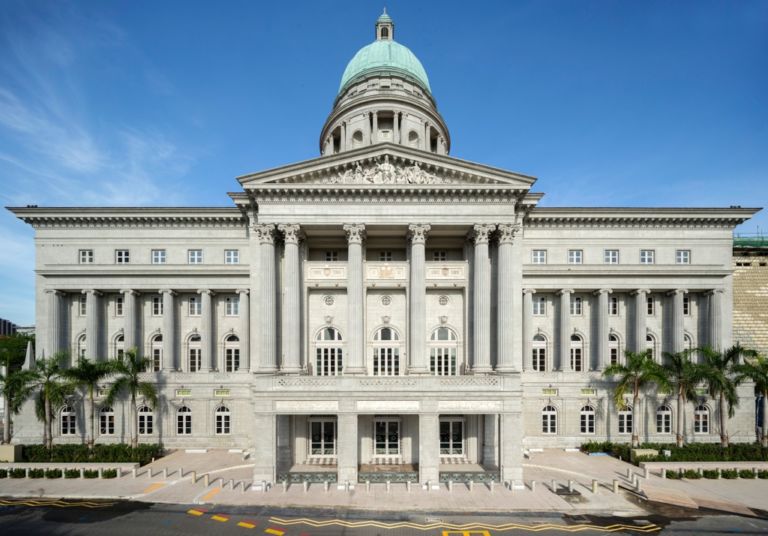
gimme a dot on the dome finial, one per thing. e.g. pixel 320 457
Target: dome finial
pixel 385 27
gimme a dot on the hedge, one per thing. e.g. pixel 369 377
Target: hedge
pixel 3 473
pixel 730 474
pixel 617 450
pixel 18 473
pixel 36 473
pixel 674 475
pixel 746 473
pixel 90 473
pixel 119 453
pixel 53 473
pixel 691 474
pixel 692 452
pixel 710 473
pixel 109 473
pixel 71 473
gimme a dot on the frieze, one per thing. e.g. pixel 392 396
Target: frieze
pixel 385 173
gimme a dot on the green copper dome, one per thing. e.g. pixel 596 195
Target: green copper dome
pixel 385 56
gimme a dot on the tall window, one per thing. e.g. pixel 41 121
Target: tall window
pixel 613 306
pixel 82 349
pixel 664 420
pixel 385 256
pixel 119 349
pixel 329 355
pixel 194 256
pixel 650 344
pixel 85 256
pixel 575 256
pixel 156 351
pixel 701 420
pixel 146 421
pixel 577 353
pixel 539 256
pixel 576 306
pixel 650 306
pixel 611 256
pixel 386 353
pixel 386 434
pixel 194 353
pixel 647 256
pixel 119 306
pixel 158 256
pixel 613 349
pixel 106 421
pixel 67 421
pixel 184 421
pixel 683 256
pixel 122 256
pixel 539 306
pixel 539 350
pixel 587 420
pixel 231 256
pixel 195 306
pixel 232 306
pixel 549 420
pixel 322 436
pixel 232 354
pixel 452 436
pixel 82 306
pixel 625 420
pixel 686 305
pixel 157 306
pixel 443 352
pixel 223 417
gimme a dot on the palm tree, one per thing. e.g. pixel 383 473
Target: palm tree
pixel 718 373
pixel 17 386
pixel 129 369
pixel 639 371
pixel 87 374
pixel 684 375
pixel 53 391
pixel 756 370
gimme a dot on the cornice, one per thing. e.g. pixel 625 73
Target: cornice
pixel 130 217
pixel 646 217
pixel 656 270
pixel 375 194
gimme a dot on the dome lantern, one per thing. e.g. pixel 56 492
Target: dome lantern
pixel 385 27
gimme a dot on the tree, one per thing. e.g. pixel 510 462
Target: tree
pixel 756 370
pixel 87 375
pixel 639 371
pixel 129 369
pixel 721 383
pixel 684 376
pixel 16 387
pixel 53 391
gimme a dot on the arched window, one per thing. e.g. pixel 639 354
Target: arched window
pixel 67 420
pixel 184 421
pixel 625 420
pixel 232 354
pixel 701 419
pixel 146 421
pixel 386 352
pixel 156 351
pixel 614 351
pixel 664 420
pixel 82 349
pixel 549 420
pixel 577 353
pixel 194 353
pixel 106 421
pixel 650 344
pixel 587 420
pixel 329 355
pixel 119 347
pixel 443 352
pixel 385 33
pixel 222 420
pixel 539 353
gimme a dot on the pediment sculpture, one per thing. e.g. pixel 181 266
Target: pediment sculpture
pixel 385 173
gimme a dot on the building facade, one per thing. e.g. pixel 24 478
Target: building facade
pixel 385 304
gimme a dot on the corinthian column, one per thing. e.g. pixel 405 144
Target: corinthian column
pixel 527 327
pixel 418 291
pixel 245 329
pixel 355 362
pixel 602 329
pixel 482 299
pixel 93 325
pixel 676 325
pixel 509 335
pixel 169 330
pixel 268 309
pixel 207 336
pixel 54 322
pixel 716 319
pixel 129 312
pixel 641 311
pixel 565 329
pixel 291 301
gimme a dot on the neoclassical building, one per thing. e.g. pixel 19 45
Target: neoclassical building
pixel 385 308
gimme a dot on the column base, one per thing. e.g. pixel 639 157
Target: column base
pixel 506 369
pixel 265 370
pixel 419 371
pixel 354 371
pixel 291 370
pixel 482 369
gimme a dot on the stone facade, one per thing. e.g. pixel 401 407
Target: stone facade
pixel 750 293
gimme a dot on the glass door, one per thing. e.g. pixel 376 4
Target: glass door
pixel 452 437
pixel 387 437
pixel 322 437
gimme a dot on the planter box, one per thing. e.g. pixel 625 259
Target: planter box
pixel 643 452
pixel 10 453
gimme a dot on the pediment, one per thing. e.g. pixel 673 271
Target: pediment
pixel 386 165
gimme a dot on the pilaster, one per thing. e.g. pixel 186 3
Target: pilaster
pixel 716 318
pixel 528 327
pixel 130 331
pixel 429 448
pixel 245 329
pixel 564 340
pixel 93 325
pixel 207 334
pixel 169 331
pixel 641 311
pixel 509 331
pixel 601 324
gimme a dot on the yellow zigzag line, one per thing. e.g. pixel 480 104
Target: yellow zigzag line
pixel 469 526
pixel 56 502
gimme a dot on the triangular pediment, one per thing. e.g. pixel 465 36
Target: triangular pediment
pixel 384 165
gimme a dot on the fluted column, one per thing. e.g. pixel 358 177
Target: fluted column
pixel 93 325
pixel 482 299
pixel 417 296
pixel 355 362
pixel 716 318
pixel 54 322
pixel 367 128
pixel 343 140
pixel 268 309
pixel 169 330
pixel 291 301
pixel 509 339
pixel 528 327
pixel 676 325
pixel 375 133
pixel 207 336
pixel 129 313
pixel 601 322
pixel 565 330
pixel 245 329
pixel 641 311
pixel 396 129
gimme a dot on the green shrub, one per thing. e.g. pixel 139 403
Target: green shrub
pixel 72 473
pixel 18 473
pixel 709 473
pixel 746 473
pixel 693 452
pixel 36 473
pixel 691 474
pixel 53 473
pixel 109 473
pixel 3 473
pixel 674 475
pixel 118 453
pixel 730 474
pixel 90 473
pixel 762 473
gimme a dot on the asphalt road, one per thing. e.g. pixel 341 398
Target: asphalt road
pixel 32 517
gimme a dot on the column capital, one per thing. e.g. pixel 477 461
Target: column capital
pixel 355 232
pixel 565 291
pixel 291 231
pixel 243 291
pixel 481 232
pixel 168 291
pixel 714 291
pixel 641 291
pixel 265 232
pixel 417 232
pixel 205 291
pixel 677 291
pixel 508 232
pixel 603 291
pixel 129 291
pixel 91 291
pixel 54 292
pixel 529 291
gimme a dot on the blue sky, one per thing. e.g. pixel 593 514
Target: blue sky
pixel 164 103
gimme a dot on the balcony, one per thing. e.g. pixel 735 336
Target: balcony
pixel 442 273
pixel 316 273
pixel 383 274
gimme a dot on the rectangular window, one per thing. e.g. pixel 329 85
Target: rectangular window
pixel 146 423
pixel 231 256
pixel 82 306
pixel 119 306
pixel 195 256
pixel 587 425
pixel 106 423
pixel 158 256
pixel 575 256
pixel 195 359
pixel 157 306
pixel 385 256
pixel 539 256
pixel 184 422
pixel 195 306
pixel 611 256
pixel 122 256
pixel 613 306
pixel 576 306
pixel 331 256
pixel 686 306
pixel 663 422
pixel 222 422
pixel 683 256
pixel 647 256
pixel 539 306
pixel 440 256
pixel 625 422
pixel 650 305
pixel 614 355
pixel 549 422
pixel 232 359
pixel 232 306
pixel 86 256
pixel 539 359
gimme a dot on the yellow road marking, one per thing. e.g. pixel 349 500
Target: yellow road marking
pixel 221 519
pixel 276 532
pixel 194 512
pixel 466 533
pixel 246 525
pixel 55 502
pixel 154 487
pixel 208 496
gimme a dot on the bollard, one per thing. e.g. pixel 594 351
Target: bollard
pixel 346 485
pixel 206 480
pixel 101 472
pixel 285 485
pixel 615 486
pixel 326 485
pixel 647 472
pixel 388 486
pixel 181 472
pixel 471 485
pixel 533 485
pixel 638 487
pixel 306 486
pixel 570 486
pixel 719 472
pixel 133 472
pixel 594 486
pixel 264 486
pixel 367 485
pixel 629 473
pixel 754 472
pixel 450 486
pixel 82 472
pixel 663 472
pixel 165 473
pixel 118 472
pixel 554 486
pixel 408 486
pixel 491 484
